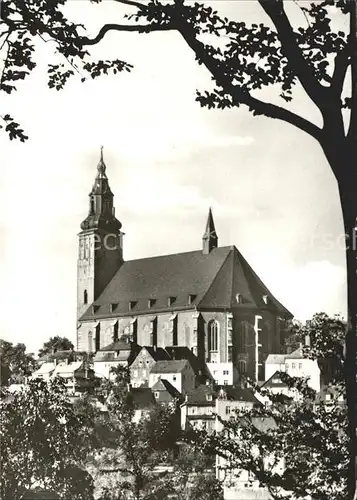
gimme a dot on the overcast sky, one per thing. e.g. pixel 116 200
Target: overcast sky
pixel 168 160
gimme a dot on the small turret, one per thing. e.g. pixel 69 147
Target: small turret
pixel 210 238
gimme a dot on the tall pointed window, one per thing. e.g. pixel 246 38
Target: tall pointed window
pixel 85 297
pixel 213 336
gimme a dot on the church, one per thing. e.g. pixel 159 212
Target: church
pixel 209 300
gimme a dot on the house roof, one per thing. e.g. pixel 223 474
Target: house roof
pixel 67 369
pixel 274 381
pixel 183 352
pixel 297 354
pixel 212 280
pixel 240 394
pixel 44 369
pixel 164 385
pixel 198 396
pixel 275 359
pixel 157 353
pixel 169 366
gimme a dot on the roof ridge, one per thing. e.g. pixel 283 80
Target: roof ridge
pixel 215 277
pixel 175 253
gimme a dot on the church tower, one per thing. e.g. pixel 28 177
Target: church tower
pixel 210 238
pixel 100 252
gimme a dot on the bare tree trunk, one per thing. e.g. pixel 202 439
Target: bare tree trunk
pixel 349 209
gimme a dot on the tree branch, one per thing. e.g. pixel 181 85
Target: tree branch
pixel 132 3
pixel 241 96
pixel 317 93
pixel 138 28
pixel 341 63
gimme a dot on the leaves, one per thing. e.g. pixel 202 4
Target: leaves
pixel 296 445
pixel 42 442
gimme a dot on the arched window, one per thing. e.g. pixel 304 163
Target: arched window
pixel 213 335
pixel 242 366
pixel 90 341
pixel 85 297
pixel 244 334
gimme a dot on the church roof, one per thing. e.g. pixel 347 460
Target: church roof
pixel 221 279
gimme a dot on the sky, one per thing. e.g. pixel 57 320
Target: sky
pixel 168 160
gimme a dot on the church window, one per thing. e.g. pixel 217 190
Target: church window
pixel 244 334
pixel 134 331
pixel 85 297
pixel 242 366
pixel 173 328
pixel 213 336
pixel 115 331
pixel 97 337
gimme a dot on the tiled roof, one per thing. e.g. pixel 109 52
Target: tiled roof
pixel 169 366
pixel 164 385
pixel 297 354
pixel 67 369
pixel 240 394
pixel 198 396
pixel 183 352
pixel 118 345
pixel 157 353
pixel 44 369
pixel 274 381
pixel 214 279
pixel 275 359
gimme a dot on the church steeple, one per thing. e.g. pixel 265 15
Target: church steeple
pixel 101 213
pixel 100 249
pixel 210 238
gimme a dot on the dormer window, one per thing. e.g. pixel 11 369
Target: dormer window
pixel 151 303
pixel 239 298
pixel 170 301
pixel 132 304
pixel 209 397
pixel 95 309
pixel 113 306
pixel 265 299
pixel 191 298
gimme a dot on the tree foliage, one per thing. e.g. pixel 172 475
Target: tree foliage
pixel 54 344
pixel 296 444
pixel 16 363
pixel 23 27
pixel 42 443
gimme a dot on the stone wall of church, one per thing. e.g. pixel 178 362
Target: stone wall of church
pixel 244 340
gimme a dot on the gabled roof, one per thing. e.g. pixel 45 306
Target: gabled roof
pixel 164 385
pixel 297 354
pixel 169 366
pixel 44 369
pixel 157 353
pixel 183 352
pixel 198 396
pixel 275 359
pixel 214 279
pixel 67 369
pixel 274 381
pixel 240 394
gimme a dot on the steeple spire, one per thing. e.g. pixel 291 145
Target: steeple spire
pixel 101 165
pixel 210 238
pixel 101 213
